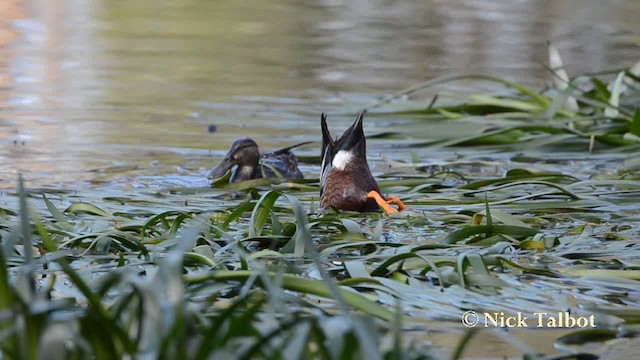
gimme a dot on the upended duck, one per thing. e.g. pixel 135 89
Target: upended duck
pixel 247 162
pixel 346 183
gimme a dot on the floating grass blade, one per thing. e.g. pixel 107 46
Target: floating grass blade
pixel 262 212
pixel 84 207
pixel 561 78
pixel 540 99
pixel 635 123
pixel 614 100
pixel 470 231
pixel 302 238
pixel 308 286
pixel 57 214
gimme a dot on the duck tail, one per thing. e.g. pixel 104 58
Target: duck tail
pixel 287 149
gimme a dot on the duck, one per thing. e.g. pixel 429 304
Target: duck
pixel 247 162
pixel 346 182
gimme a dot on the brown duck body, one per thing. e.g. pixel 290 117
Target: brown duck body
pixel 347 191
pixel 346 179
pixel 247 163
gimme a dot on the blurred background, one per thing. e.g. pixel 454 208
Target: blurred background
pixel 112 92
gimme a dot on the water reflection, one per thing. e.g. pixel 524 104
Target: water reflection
pixel 96 84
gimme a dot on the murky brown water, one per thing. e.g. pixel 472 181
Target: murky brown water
pixel 128 88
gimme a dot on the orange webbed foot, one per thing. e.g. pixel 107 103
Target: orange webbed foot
pixel 394 200
pixel 384 204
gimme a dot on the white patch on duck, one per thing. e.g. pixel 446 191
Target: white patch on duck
pixel 342 159
pixel 245 172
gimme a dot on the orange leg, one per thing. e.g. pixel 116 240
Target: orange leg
pixel 384 204
pixel 394 200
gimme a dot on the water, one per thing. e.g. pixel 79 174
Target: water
pixel 110 93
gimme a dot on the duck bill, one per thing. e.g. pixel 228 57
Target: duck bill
pixel 222 168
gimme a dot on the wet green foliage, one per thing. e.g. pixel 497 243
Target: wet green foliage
pixel 582 112
pixel 194 271
pixel 200 282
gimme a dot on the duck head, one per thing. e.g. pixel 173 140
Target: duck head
pixel 245 155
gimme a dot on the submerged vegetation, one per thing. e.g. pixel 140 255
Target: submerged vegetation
pixel 200 273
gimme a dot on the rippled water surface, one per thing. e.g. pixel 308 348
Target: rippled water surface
pixel 123 92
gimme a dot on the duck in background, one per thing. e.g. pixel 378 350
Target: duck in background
pixel 247 162
pixel 346 182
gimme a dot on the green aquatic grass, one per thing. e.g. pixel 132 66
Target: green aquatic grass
pixel 169 272
pixel 109 298
pixel 585 109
